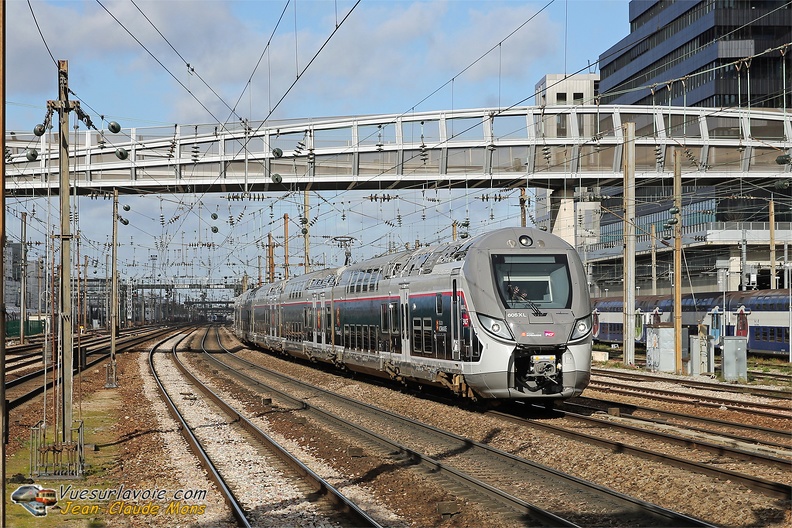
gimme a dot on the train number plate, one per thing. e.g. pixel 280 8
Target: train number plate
pixel 543 359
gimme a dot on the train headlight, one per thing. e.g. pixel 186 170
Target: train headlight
pixel 581 329
pixel 525 240
pixel 496 327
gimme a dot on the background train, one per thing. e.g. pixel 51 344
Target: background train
pixel 502 315
pixel 760 315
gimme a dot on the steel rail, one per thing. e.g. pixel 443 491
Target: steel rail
pixel 723 450
pixel 195 445
pixel 722 387
pixel 767 487
pixel 39 389
pixel 680 416
pixel 693 399
pixel 358 516
pixel 573 483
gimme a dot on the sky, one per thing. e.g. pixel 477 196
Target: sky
pixel 150 63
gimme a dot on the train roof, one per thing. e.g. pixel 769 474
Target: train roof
pixel 420 261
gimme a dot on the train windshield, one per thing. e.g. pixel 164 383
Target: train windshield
pixel 524 281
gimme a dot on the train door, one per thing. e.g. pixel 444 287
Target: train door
pixel 313 320
pixel 251 328
pixel 456 321
pixel 404 318
pixel 320 320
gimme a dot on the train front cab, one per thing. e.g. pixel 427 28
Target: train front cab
pixel 536 333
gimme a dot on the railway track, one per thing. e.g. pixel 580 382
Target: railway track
pixel 217 426
pixel 697 399
pixel 28 386
pixel 780 394
pixel 494 479
pixel 762 438
pixel 596 431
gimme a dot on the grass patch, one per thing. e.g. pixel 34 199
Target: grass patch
pixel 99 413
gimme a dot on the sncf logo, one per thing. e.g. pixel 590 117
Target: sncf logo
pixel 549 333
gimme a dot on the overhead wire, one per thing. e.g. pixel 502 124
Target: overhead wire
pixel 498 45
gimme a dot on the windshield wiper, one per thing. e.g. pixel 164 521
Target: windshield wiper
pixel 535 308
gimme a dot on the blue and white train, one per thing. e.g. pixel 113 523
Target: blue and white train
pixel 760 315
pixel 504 315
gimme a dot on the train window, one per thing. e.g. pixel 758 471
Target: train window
pixel 439 304
pixel 417 335
pixel 343 280
pixel 346 338
pixel 384 313
pixel 427 336
pixel 372 279
pixel 394 318
pixel 352 279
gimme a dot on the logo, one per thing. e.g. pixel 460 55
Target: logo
pixel 549 333
pixel 34 499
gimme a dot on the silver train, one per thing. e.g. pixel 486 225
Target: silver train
pixel 504 315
